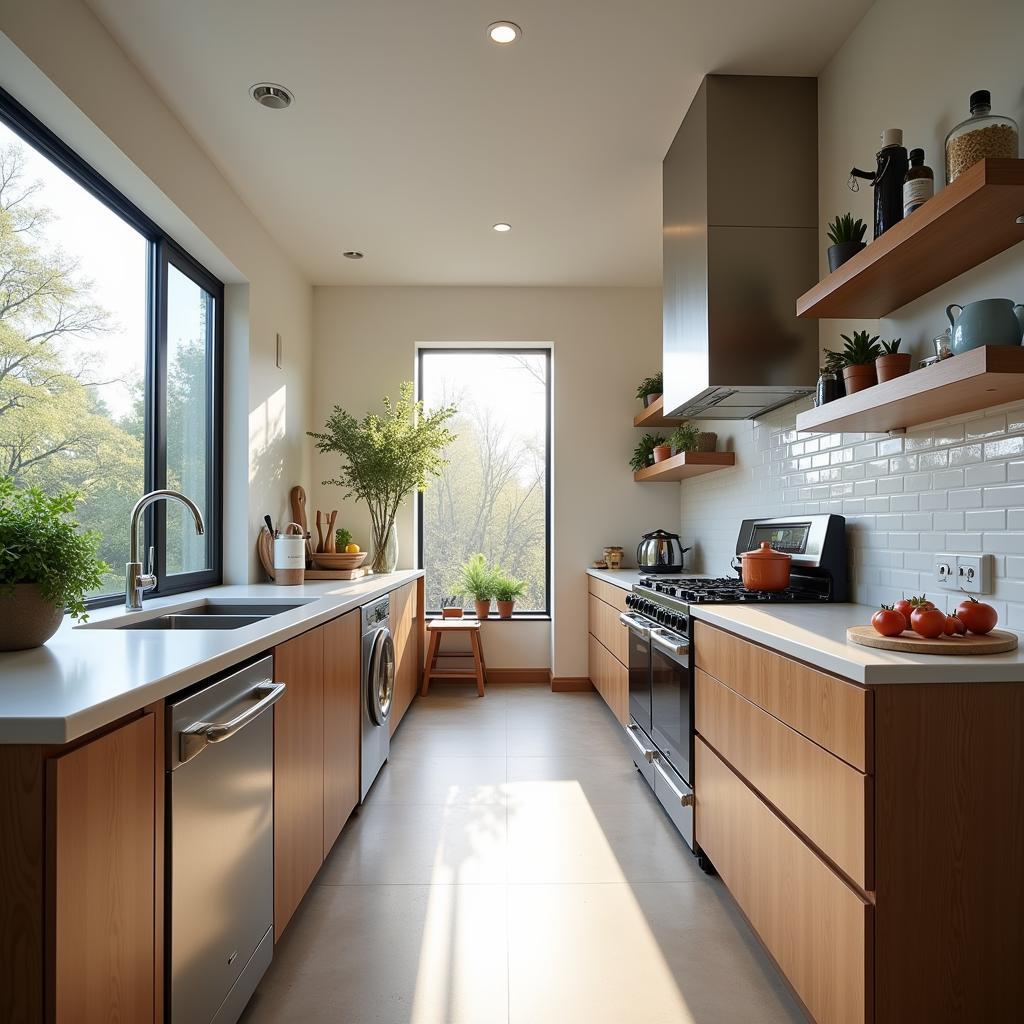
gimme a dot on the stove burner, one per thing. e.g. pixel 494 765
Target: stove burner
pixel 721 590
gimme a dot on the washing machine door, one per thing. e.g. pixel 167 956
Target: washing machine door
pixel 380 679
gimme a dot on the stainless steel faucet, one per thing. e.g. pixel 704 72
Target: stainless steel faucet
pixel 137 582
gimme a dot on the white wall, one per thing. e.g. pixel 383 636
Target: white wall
pixel 61 63
pixel 604 341
pixel 951 487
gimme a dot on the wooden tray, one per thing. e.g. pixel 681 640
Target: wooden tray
pixel 996 642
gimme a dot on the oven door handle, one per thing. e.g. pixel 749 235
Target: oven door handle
pixel 633 732
pixel 662 640
pixel 635 625
pixel 685 799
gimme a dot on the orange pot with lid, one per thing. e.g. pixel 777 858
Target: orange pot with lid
pixel 765 568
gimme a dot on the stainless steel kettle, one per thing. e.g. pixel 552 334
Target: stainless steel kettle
pixel 660 551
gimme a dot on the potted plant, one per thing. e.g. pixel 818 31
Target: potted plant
pixel 479 580
pixel 859 355
pixel 661 452
pixel 451 606
pixel 892 363
pixel 847 238
pixel 684 438
pixel 507 589
pixel 650 388
pixel 47 564
pixel 385 457
pixel 643 453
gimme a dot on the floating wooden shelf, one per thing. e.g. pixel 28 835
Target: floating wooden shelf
pixel 966 383
pixel 653 416
pixel 685 465
pixel 965 224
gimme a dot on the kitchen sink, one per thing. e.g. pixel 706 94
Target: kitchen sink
pixel 209 614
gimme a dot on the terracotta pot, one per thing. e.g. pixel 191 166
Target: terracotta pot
pixel 483 609
pixel 662 452
pixel 451 613
pixel 858 378
pixel 505 609
pixel 27 619
pixel 893 366
pixel 707 441
pixel 765 569
pixel 650 399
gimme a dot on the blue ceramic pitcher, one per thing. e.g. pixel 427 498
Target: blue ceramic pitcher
pixel 985 322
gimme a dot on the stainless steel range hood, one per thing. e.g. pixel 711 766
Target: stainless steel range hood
pixel 740 186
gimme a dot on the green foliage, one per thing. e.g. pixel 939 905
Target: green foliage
pixel 651 385
pixel 833 361
pixel 861 349
pixel 478 579
pixel 643 453
pixel 507 588
pixel 387 456
pixel 684 437
pixel 846 229
pixel 342 538
pixel 40 543
pixel 891 348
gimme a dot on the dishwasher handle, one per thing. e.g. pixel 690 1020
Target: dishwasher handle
pixel 197 736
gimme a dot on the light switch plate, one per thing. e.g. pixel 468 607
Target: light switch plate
pixel 944 571
pixel 974 574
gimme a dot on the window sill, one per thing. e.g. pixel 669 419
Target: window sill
pixel 516 617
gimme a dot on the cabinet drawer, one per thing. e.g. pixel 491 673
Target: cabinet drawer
pixel 609 593
pixel 824 797
pixel 610 679
pixel 814 925
pixel 836 714
pixel 604 624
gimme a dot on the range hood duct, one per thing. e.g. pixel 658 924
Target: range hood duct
pixel 740 215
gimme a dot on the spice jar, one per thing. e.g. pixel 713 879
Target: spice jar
pixel 983 136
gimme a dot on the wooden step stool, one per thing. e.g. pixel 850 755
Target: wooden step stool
pixel 435 629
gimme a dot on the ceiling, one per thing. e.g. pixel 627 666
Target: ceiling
pixel 411 133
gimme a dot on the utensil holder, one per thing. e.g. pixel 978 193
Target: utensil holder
pixel 290 556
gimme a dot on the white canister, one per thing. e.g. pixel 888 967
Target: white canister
pixel 290 556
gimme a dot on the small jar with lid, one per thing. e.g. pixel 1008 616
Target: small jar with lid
pixel 983 136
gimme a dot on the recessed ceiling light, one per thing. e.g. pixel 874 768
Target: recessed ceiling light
pixel 502 227
pixel 504 32
pixel 352 254
pixel 267 94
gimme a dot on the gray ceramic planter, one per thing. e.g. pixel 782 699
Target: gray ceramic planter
pixel 27 619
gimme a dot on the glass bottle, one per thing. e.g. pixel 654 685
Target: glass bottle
pixel 982 136
pixel 828 388
pixel 918 183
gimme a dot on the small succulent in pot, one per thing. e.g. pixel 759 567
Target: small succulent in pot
pixel 643 453
pixel 847 238
pixel 859 355
pixel 47 564
pixel 892 363
pixel 684 438
pixel 651 388
pixel 507 590
pixel 451 606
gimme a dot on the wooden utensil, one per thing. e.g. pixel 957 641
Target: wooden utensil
pixel 329 546
pixel 319 534
pixel 298 502
pixel 999 641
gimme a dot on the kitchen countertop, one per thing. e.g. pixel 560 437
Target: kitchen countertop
pixel 622 578
pixel 86 677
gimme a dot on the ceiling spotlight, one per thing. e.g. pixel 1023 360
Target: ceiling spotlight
pixel 352 254
pixel 504 32
pixel 502 227
pixel 266 94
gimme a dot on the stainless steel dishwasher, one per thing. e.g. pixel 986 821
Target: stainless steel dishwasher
pixel 220 844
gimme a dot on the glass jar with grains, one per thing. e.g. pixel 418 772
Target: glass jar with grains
pixel 983 135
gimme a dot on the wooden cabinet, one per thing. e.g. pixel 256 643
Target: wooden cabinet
pixel 342 717
pixel 103 826
pixel 298 772
pixel 611 679
pixel 405 622
pixel 608 645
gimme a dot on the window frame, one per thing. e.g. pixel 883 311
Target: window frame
pixel 543 615
pixel 163 252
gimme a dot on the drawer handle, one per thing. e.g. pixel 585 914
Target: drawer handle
pixel 685 799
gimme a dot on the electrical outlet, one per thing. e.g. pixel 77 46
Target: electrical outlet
pixel 974 574
pixel 944 572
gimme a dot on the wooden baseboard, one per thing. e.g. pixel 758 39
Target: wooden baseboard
pixel 518 675
pixel 570 684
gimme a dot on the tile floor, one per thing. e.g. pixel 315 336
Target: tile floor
pixel 509 865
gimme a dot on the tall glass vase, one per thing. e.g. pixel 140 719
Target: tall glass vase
pixel 385 550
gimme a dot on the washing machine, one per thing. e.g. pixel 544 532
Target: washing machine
pixel 378 686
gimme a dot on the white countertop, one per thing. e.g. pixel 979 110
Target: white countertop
pixel 85 677
pixel 622 578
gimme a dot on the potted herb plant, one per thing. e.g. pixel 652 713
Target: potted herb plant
pixel 479 580
pixel 451 606
pixel 385 456
pixel 47 564
pixel 643 453
pixel 650 388
pixel 507 590
pixel 892 363
pixel 847 238
pixel 684 438
pixel 859 355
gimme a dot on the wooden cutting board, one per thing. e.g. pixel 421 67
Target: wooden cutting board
pixel 997 642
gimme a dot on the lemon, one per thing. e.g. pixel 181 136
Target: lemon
pixel 351 549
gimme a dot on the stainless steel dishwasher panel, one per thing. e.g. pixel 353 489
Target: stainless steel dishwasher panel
pixel 221 844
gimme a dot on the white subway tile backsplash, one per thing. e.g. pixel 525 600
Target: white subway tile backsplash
pixel 985 473
pixel 988 426
pixel 966 498
pixel 947 478
pixel 965 454
pixel 1004 497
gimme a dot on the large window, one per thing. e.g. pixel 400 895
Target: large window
pixel 493 495
pixel 109 356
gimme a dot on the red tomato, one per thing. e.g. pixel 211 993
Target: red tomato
pixel 977 617
pixel 922 602
pixel 953 626
pixel 904 607
pixel 961 629
pixel 928 622
pixel 888 621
